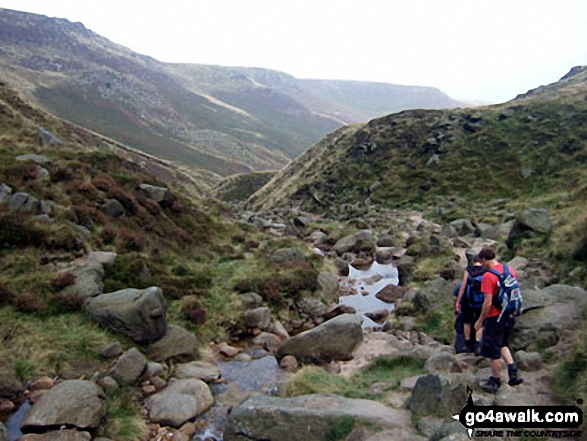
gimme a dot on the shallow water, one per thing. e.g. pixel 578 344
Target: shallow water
pixel 367 283
pixel 13 423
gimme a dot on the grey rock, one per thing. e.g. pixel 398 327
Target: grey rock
pixel 10 386
pixel 129 367
pixel 251 300
pixel 329 287
pixel 390 293
pixel 436 394
pixel 312 307
pixel 200 370
pixel 178 344
pixel 335 339
pixel 528 361
pixel 269 342
pixel 258 318
pixel 342 266
pixel 161 195
pixel 111 350
pixel 48 139
pixel 61 435
pixel 442 362
pixel 5 193
pixel 37 159
pixel 137 314
pixel 286 256
pixel 434 293
pixel 45 207
pixel 41 172
pixel 108 383
pixel 289 363
pixel 74 403
pixel 361 241
pixel 536 219
pixel 23 203
pixel 270 418
pixel 112 208
pixel 104 258
pixel 89 279
pixel 179 402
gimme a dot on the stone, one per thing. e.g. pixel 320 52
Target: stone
pixel 251 300
pixel 528 361
pixel 329 287
pixel 438 394
pixel 111 350
pixel 43 383
pixel 48 139
pixel 89 279
pixel 37 159
pixel 60 435
pixel 339 310
pixel 536 219
pixel 312 307
pixel 180 402
pixel 10 386
pixel 5 193
pixel 342 266
pixel 278 329
pixel 390 293
pixel 23 203
pixel 289 363
pixel 442 362
pixel 108 383
pixel 129 367
pixel 112 208
pixel 154 370
pixel 258 318
pixel 104 258
pixel 267 341
pixel 178 345
pixel 335 339
pixel 287 256
pixel 272 418
pixel 227 350
pixel 361 241
pixel 6 406
pixel 137 314
pixel 161 195
pixel 201 370
pixel 73 403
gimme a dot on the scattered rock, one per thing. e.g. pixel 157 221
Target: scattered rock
pixel 268 341
pixel 73 403
pixel 177 345
pixel 528 361
pixel 329 287
pixel 361 241
pixel 258 318
pixel 179 402
pixel 43 383
pixel 312 307
pixel 200 370
pixel 48 139
pixel 5 193
pixel 391 293
pixel 111 350
pixel 129 367
pixel 289 363
pixel 23 203
pixel 438 395
pixel 442 362
pixel 10 386
pixel 137 314
pixel 251 300
pixel 288 256
pixel 161 195
pixel 270 418
pixel 227 350
pixel 37 159
pixel 112 208
pixel 61 435
pixel 333 340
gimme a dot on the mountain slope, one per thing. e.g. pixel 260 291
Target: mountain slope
pixel 532 144
pixel 224 120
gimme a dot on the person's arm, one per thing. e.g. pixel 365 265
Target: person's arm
pixel 484 310
pixel 461 291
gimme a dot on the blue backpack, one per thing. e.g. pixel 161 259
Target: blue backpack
pixel 475 296
pixel 509 296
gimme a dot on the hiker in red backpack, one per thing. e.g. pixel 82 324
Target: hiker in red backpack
pixel 496 321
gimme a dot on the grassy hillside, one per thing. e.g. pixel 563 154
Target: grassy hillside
pixel 221 119
pixel 531 151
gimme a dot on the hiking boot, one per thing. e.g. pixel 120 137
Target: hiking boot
pixel 515 379
pixel 477 348
pixel 492 385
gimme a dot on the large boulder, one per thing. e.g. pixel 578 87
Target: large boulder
pixel 436 394
pixel 178 344
pixel 137 314
pixel 74 403
pixel 361 241
pixel 129 366
pixel 329 288
pixel 530 223
pixel 433 294
pixel 335 339
pixel 89 278
pixel 287 256
pixel 307 418
pixel 23 203
pixel 161 195
pixel 59 435
pixel 179 402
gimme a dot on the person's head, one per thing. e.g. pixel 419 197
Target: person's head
pixel 476 260
pixel 486 255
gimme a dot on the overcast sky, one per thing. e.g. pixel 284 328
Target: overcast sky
pixel 488 50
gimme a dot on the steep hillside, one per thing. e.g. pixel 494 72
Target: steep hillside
pixel 224 120
pixel 530 151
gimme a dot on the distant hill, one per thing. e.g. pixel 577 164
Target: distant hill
pixel 219 119
pixel 530 145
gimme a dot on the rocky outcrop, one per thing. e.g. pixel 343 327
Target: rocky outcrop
pixel 177 345
pixel 270 418
pixel 179 402
pixel 333 340
pixel 361 241
pixel 73 403
pixel 437 394
pixel 138 314
pixel 161 195
pixel 530 223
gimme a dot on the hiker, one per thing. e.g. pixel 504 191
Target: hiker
pixel 460 342
pixel 497 324
pixel 470 301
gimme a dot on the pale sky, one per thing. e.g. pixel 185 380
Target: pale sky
pixel 488 50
